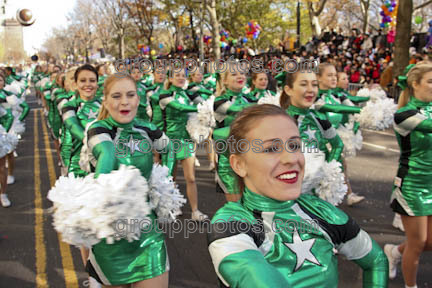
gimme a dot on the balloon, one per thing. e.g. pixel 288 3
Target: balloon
pixel 245 40
pixel 187 37
pixel 160 46
pixel 418 19
pixel 179 48
pixel 234 41
pixel 151 39
pixel 153 52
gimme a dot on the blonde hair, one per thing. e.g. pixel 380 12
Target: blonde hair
pixel 109 81
pixel 220 84
pixel 69 74
pixel 414 75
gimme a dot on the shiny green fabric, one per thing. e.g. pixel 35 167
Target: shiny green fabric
pixel 354 99
pixel 65 135
pixel 298 252
pixel 144 103
pixel 256 94
pixel 56 122
pixel 152 94
pixel 84 112
pixel 311 132
pixel 336 112
pixel 6 118
pixel 195 90
pixel 210 81
pixel 126 262
pixel 413 185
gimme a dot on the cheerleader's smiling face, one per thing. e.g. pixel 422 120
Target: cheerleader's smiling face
pixel 275 169
pixel 197 77
pixel 178 79
pixel 136 74
pixel 304 90
pixel 423 90
pixel 328 78
pixel 235 79
pixel 261 81
pixel 159 76
pixel 122 100
pixel 87 84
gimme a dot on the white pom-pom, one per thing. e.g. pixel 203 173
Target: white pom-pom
pixel 165 197
pixel 352 142
pixel 332 187
pixel 18 127
pixel 87 210
pixel 44 81
pixel 377 114
pixel 364 92
pixel 13 100
pixel 377 94
pixel 313 173
pixel 13 88
pixel 200 124
pixel 269 99
pixel 86 157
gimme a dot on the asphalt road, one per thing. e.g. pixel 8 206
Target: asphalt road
pixel 33 255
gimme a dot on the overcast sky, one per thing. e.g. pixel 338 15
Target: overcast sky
pixel 49 14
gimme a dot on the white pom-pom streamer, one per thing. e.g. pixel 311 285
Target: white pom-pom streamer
pixel 352 142
pixel 332 187
pixel 13 88
pixel 377 94
pixel 199 125
pixel 86 157
pixel 165 197
pixel 87 210
pixel 269 99
pixel 18 127
pixel 377 114
pixel 364 92
pixel 313 173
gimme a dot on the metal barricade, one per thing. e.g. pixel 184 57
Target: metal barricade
pixel 354 87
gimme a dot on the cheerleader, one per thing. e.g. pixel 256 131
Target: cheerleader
pixel 102 74
pixel 197 94
pixel 80 111
pixel 175 105
pixel 20 112
pixel 299 94
pixel 152 93
pixel 6 120
pixel 412 187
pixel 56 122
pixel 144 109
pixel 301 253
pixel 143 262
pixel 65 139
pixel 337 108
pixel 259 87
pixel 229 101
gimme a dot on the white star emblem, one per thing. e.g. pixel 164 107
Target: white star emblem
pixel 181 100
pixel 133 145
pixel 302 250
pixel 92 114
pixel 310 133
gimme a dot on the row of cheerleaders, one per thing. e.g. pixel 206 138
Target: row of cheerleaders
pixel 94 117
pixel 13 111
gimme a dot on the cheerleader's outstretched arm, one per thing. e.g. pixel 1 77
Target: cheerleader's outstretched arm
pixel 406 121
pixel 337 108
pixel 71 122
pixel 26 110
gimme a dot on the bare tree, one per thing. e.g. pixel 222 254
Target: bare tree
pixel 314 13
pixel 403 35
pixel 211 8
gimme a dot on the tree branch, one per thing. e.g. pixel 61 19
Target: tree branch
pixel 423 5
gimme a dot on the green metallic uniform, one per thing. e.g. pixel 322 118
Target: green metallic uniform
pixel 198 93
pixel 112 144
pixel 261 242
pixel 329 102
pixel 256 94
pixel 354 99
pixel 76 114
pixel 101 81
pixel 65 135
pixel 152 93
pixel 412 190
pixel 57 122
pixel 316 131
pixel 144 105
pixel 6 118
pixel 226 107
pixel 175 105
pixel 23 105
pixel 147 80
pixel 210 81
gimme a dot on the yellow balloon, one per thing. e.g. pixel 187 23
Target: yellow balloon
pixel 153 52
pixel 151 38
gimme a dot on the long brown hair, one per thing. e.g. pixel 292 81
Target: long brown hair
pixel 254 77
pixel 245 122
pixel 109 81
pixel 414 75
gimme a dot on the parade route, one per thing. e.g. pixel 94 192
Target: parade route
pixel 33 255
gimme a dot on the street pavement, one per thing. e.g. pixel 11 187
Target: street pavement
pixel 33 255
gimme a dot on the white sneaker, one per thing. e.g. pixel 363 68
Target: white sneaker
pixel 393 261
pixel 212 166
pixel 354 199
pixel 397 222
pixel 15 154
pixel 4 200
pixel 197 163
pixel 93 283
pixel 10 180
pixel 199 216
